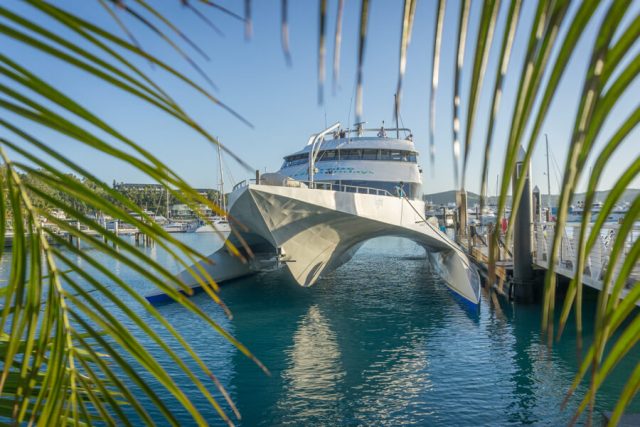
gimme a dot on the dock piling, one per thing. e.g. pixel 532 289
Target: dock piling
pixel 461 216
pixel 523 274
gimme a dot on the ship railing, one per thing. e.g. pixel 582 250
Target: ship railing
pixel 347 188
pixel 329 186
pixel 243 184
pixel 363 131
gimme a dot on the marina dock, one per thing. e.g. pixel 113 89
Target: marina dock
pixel 597 263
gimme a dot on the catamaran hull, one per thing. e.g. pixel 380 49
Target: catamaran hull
pixel 311 232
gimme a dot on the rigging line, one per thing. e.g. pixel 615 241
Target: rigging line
pixel 402 123
pixel 158 204
pixel 556 168
pixel 456 247
pixel 353 93
pixel 225 165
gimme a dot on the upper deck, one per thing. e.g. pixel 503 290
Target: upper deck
pixel 360 138
pixel 375 157
pixel 359 144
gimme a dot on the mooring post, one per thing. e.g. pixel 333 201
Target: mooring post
pixel 523 276
pixel 78 239
pixel 103 224
pixel 461 226
pixel 537 205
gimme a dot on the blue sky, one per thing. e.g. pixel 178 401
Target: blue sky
pixel 281 101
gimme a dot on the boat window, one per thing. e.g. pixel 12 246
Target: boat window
pixel 298 159
pixel 369 154
pixel 328 155
pixel 351 154
pixel 396 155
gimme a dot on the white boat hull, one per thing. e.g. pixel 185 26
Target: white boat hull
pixel 219 228
pixel 310 232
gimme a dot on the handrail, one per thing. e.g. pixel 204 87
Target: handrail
pixel 243 183
pixel 361 131
pixel 329 186
pixel 316 142
pixel 346 188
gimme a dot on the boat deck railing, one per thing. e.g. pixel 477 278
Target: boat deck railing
pixel 327 186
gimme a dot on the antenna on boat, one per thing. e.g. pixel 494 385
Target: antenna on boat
pixel 395 98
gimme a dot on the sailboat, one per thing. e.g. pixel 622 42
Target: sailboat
pixel 220 223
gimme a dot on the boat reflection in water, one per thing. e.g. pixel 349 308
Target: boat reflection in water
pixel 314 373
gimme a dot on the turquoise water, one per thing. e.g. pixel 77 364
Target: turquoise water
pixel 380 341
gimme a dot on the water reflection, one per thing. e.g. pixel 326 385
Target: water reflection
pixel 312 381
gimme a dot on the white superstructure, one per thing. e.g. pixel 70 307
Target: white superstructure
pixel 343 188
pixel 354 158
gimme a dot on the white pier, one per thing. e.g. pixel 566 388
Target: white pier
pixel 597 262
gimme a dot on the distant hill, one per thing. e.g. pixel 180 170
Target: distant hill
pixel 450 197
pixel 446 197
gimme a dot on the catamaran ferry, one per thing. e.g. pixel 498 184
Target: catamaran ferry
pixel 344 187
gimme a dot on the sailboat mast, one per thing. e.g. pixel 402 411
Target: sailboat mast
pixel 224 207
pixel 167 203
pixel 548 176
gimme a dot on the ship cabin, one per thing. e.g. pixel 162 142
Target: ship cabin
pixel 349 159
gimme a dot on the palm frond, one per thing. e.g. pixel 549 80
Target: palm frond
pixel 362 38
pixel 284 31
pixel 484 39
pixel 54 311
pixel 463 23
pixel 435 74
pixel 408 15
pixel 322 49
pixel 508 38
pixel 337 45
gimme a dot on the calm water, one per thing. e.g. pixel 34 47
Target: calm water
pixel 380 341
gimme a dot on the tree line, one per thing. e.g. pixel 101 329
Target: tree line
pixel 151 197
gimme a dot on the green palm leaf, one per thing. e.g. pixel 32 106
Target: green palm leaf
pixel 463 23
pixel 435 73
pixel 54 356
pixel 63 352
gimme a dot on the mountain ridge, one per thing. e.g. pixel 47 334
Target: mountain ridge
pixel 445 197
